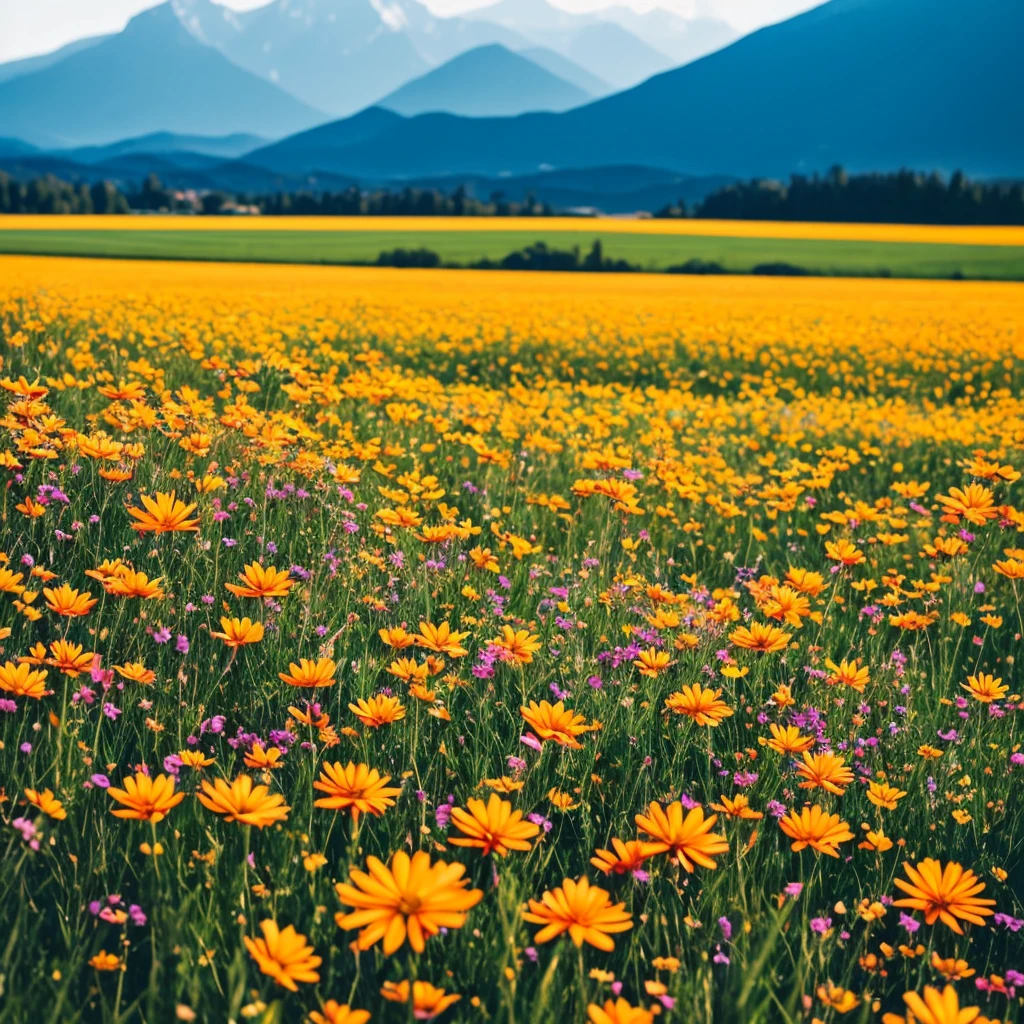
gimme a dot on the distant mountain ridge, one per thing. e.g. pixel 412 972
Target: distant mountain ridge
pixel 14 68
pixel 870 84
pixel 873 85
pixel 616 44
pixel 488 81
pixel 613 190
pixel 567 70
pixel 375 46
pixel 153 76
pixel 16 148
pixel 214 146
pixel 322 147
pixel 607 49
pixel 340 56
pixel 675 37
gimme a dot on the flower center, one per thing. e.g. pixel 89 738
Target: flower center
pixel 410 903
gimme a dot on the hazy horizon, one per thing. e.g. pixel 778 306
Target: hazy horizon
pixel 29 29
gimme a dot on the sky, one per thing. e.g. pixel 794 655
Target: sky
pixel 28 27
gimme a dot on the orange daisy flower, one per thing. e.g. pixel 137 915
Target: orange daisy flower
pixel 145 799
pixel 260 582
pixel 944 893
pixel 555 722
pixel 492 827
pixel 688 838
pixel 412 898
pixel 164 514
pixel 583 910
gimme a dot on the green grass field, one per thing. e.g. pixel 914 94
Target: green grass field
pixel 652 252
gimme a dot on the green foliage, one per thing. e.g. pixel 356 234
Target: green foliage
pixel 904 197
pixel 650 252
pixel 51 195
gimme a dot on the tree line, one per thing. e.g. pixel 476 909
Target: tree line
pixel 904 197
pixel 538 256
pixel 406 202
pixel 153 196
pixel 51 195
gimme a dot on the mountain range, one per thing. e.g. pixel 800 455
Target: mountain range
pixel 198 66
pixel 343 55
pixel 514 91
pixel 14 68
pixel 224 147
pixel 509 83
pixel 154 76
pixel 613 189
pixel 662 30
pixel 870 84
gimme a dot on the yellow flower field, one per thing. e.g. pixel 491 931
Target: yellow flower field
pixel 952 234
pixel 406 645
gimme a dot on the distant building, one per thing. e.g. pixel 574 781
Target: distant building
pixel 239 210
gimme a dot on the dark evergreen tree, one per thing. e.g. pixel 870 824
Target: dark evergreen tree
pixel 902 197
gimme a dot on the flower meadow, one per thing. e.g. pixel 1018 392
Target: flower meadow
pixel 399 645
